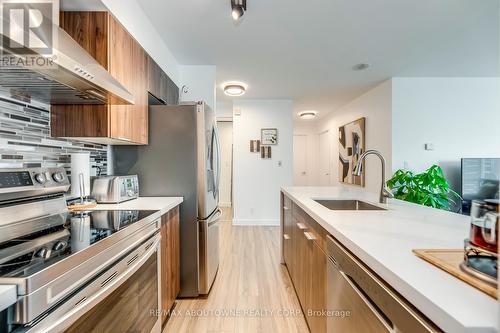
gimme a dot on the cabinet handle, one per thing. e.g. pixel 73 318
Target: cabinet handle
pixel 309 236
pixel 124 139
pixel 286 208
pixel 301 226
pixel 286 237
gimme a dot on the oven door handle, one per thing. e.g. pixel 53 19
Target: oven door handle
pixel 61 323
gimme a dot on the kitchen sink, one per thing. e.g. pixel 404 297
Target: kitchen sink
pixel 348 205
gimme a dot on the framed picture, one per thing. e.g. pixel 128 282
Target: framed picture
pixel 269 136
pixel 254 146
pixel 351 146
pixel 265 152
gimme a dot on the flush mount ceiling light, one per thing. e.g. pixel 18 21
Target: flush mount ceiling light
pixel 238 8
pixel 360 67
pixel 234 89
pixel 309 114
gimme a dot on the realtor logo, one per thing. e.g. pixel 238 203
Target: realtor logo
pixel 28 30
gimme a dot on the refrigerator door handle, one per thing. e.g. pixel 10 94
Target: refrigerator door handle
pixel 217 140
pixel 215 218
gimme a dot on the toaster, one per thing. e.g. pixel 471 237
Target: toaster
pixel 115 189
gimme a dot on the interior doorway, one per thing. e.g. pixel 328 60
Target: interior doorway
pixel 300 176
pixel 325 158
pixel 226 181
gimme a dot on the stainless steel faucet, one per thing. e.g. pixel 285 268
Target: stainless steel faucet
pixel 358 169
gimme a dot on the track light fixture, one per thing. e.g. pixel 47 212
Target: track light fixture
pixel 238 8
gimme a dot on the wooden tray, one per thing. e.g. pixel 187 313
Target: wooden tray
pixel 449 261
pixel 77 207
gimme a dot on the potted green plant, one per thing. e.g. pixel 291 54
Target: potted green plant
pixel 429 188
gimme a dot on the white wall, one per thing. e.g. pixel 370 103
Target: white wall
pixel 224 110
pixel 200 83
pixel 459 116
pixel 375 105
pixel 226 142
pixel 133 18
pixel 257 182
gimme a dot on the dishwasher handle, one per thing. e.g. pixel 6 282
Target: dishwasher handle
pixel 371 305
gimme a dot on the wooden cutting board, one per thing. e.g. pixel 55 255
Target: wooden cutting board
pixel 449 261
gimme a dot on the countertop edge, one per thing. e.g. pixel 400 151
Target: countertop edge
pixel 161 204
pixel 8 296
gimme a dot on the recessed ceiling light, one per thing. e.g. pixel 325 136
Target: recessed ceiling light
pixel 360 67
pixel 238 8
pixel 309 114
pixel 234 88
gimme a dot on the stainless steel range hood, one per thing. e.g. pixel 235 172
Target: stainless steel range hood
pixel 75 77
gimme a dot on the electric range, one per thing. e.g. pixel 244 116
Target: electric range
pixel 51 254
pixel 57 237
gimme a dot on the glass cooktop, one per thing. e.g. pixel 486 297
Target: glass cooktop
pixel 60 237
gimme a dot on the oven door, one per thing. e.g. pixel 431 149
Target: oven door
pixel 124 298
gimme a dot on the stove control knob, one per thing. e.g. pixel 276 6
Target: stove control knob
pixel 40 178
pixel 59 246
pixel 58 177
pixel 41 253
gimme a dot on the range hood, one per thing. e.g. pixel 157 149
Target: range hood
pixel 74 77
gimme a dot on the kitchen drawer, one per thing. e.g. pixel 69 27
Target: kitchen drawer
pixel 313 228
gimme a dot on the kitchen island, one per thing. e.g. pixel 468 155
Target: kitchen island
pixel 384 239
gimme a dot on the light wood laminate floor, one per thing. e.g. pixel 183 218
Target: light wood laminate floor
pixel 251 293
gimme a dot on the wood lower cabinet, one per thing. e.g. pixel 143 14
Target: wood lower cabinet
pixel 170 259
pixel 100 34
pixel 305 258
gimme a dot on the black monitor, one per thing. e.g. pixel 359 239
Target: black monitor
pixel 480 179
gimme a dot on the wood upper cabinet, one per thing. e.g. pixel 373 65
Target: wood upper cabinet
pixel 160 85
pixel 170 259
pixel 116 50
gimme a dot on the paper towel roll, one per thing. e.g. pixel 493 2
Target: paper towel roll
pixel 80 163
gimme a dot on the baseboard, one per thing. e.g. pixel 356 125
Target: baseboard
pixel 255 222
pixel 225 204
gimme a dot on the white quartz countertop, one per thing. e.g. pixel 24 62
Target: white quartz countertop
pixel 161 204
pixel 384 241
pixel 8 296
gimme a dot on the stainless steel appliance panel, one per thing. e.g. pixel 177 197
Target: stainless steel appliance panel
pixel 127 293
pixel 169 166
pixel 374 305
pixel 182 158
pixel 209 251
pixel 74 78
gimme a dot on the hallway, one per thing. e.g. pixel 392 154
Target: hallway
pixel 252 291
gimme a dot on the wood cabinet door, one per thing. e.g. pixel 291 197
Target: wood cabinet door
pixel 170 258
pixel 154 77
pixel 300 262
pixel 172 92
pixel 128 64
pixel 316 288
pixel 287 233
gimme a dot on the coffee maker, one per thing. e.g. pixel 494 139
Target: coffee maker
pixel 481 249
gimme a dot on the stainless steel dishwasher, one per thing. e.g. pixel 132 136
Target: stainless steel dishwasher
pixel 359 301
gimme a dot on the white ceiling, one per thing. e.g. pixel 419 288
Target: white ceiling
pixel 305 50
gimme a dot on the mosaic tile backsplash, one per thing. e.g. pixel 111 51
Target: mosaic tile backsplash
pixel 25 140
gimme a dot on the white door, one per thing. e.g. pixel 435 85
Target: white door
pixel 300 160
pixel 226 141
pixel 325 158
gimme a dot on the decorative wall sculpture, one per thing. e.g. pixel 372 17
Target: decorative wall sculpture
pixel 351 146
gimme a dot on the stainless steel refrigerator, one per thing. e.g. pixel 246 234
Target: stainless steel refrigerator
pixel 183 159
